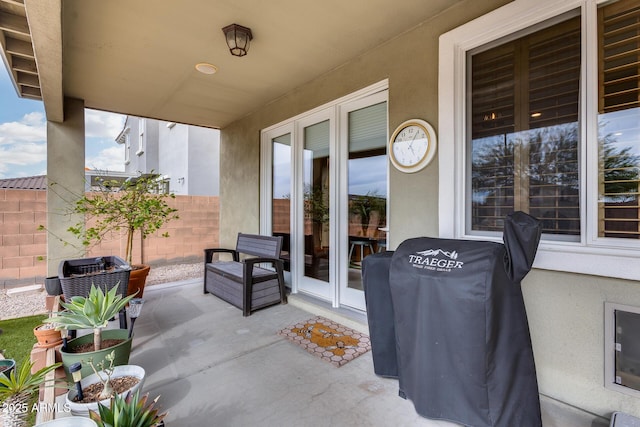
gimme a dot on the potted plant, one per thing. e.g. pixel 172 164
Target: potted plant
pixel 103 384
pixel 131 410
pixel 7 366
pixel 16 391
pixel 135 205
pixel 93 312
pixel 47 335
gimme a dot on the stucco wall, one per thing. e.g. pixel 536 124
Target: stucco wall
pixel 565 310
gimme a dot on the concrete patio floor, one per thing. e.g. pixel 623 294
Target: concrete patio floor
pixel 213 367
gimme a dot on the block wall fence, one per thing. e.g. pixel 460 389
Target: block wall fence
pixel 23 247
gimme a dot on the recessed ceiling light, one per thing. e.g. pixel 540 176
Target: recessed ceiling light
pixel 206 68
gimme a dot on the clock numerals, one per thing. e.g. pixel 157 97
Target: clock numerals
pixel 412 145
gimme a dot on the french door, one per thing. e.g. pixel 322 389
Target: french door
pixel 324 186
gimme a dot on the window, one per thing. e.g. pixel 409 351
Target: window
pixel 142 128
pixel 524 130
pixel 619 120
pixel 545 120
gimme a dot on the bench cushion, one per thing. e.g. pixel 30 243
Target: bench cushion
pixel 233 270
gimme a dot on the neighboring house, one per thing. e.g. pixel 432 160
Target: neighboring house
pixel 38 182
pixel 187 157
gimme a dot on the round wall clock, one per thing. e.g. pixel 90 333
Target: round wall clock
pixel 412 145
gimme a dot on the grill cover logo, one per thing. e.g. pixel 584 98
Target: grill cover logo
pixel 436 260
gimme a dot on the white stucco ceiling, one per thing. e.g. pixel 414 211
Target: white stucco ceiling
pixel 138 56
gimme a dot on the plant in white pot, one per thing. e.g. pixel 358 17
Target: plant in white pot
pixel 94 313
pixel 106 382
pixel 135 205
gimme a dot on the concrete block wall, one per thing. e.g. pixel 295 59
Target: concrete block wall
pixel 23 248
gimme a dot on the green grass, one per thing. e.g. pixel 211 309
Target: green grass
pixel 17 339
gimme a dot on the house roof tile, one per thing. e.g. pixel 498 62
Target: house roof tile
pixel 25 183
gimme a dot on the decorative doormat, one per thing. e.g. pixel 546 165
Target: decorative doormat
pixel 328 340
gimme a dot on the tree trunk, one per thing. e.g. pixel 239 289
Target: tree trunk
pixel 15 411
pixel 129 249
pixel 97 339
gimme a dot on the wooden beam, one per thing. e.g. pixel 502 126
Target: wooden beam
pixel 19 48
pixel 49 398
pixel 25 79
pixel 15 2
pixel 14 24
pixel 24 65
pixel 31 92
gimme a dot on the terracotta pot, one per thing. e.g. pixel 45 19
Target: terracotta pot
pixel 47 337
pixel 137 279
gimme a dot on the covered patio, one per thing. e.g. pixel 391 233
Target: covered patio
pixel 308 68
pixel 212 366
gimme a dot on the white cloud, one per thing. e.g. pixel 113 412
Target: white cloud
pixel 32 128
pixel 111 159
pixel 20 156
pixel 99 124
pixel 23 145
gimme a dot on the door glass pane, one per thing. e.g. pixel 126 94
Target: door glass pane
pixel 619 120
pixel 281 191
pixel 524 130
pixel 315 175
pixel 367 186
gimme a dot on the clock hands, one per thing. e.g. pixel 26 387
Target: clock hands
pixel 411 143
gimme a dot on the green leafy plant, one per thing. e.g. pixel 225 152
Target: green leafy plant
pixel 138 204
pixel 17 389
pixel 364 206
pixel 92 312
pixel 129 411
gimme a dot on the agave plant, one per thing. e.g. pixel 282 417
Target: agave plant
pixel 129 411
pixel 16 391
pixel 92 312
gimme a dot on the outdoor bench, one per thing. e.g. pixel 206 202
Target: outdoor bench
pixel 242 282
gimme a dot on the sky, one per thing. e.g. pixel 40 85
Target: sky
pixel 23 136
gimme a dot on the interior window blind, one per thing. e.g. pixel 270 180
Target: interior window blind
pixel 619 119
pixel 524 122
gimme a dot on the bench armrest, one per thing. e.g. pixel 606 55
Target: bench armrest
pixel 251 262
pixel 208 254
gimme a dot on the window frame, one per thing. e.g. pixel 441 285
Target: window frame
pixel 611 257
pixel 142 128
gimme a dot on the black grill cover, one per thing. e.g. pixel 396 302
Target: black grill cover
pixel 462 338
pixel 375 279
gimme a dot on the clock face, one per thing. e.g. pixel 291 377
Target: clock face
pixel 412 145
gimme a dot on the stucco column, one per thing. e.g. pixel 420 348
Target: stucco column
pixel 66 179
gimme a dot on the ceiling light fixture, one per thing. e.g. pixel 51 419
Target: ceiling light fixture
pixel 206 68
pixel 238 38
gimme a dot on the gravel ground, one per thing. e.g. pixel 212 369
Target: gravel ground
pixel 22 302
